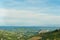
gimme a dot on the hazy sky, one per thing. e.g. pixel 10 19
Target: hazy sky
pixel 29 12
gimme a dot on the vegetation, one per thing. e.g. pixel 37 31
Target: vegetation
pixel 29 35
pixel 54 35
pixel 9 35
pixel 51 35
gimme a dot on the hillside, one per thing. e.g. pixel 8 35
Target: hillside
pixel 54 35
pixel 29 34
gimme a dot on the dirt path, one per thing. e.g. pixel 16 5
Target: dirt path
pixel 35 38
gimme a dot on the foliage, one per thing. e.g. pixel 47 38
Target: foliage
pixel 26 34
pixel 52 35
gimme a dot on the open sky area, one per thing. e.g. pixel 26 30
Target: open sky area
pixel 29 12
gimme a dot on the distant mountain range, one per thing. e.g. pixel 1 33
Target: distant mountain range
pixel 28 28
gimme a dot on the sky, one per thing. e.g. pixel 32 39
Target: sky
pixel 29 12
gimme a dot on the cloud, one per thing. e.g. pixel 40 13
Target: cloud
pixel 27 17
pixel 24 3
pixel 2 12
pixel 29 12
pixel 40 2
